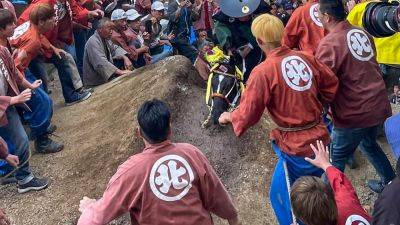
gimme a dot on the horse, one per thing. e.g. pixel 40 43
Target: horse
pixel 224 88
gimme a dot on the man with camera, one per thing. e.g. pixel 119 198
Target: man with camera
pixel 379 19
pixel 361 104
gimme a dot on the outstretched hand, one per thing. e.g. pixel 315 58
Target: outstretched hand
pixel 321 156
pixel 85 202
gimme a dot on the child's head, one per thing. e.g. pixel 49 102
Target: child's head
pixel 313 201
pixel 7 23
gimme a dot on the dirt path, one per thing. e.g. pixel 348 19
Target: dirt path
pixel 99 135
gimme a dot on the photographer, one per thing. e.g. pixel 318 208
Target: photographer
pixel 388 48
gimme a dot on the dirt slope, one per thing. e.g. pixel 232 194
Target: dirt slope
pixel 99 135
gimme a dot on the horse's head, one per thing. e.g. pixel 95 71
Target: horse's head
pixel 225 90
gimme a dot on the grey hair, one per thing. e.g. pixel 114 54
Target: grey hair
pixel 102 22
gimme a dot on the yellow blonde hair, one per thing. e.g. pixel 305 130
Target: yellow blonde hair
pixel 267 28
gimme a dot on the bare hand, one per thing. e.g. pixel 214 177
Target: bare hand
pixel 59 53
pixel 85 202
pixel 97 13
pixel 127 64
pixel 36 84
pixel 3 218
pixel 22 97
pixel 225 118
pixel 13 160
pixel 171 36
pixel 321 156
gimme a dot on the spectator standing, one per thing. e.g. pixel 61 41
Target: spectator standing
pixel 181 14
pixel 361 89
pixel 205 21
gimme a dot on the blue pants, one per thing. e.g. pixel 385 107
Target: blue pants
pixel 279 194
pixel 346 140
pixel 81 37
pixel 15 133
pixel 41 105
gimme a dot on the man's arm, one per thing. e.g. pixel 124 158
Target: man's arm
pixel 121 195
pixel 327 82
pixel 174 11
pixel 253 102
pixel 98 59
pixel 327 55
pixel 215 197
pixel 293 30
pixel 3 149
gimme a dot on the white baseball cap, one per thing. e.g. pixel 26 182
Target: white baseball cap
pixel 132 15
pixel 158 6
pixel 118 14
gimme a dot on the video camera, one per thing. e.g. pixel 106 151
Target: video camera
pixel 382 19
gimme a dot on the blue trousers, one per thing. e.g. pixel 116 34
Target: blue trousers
pixel 15 133
pixel 41 105
pixel 346 140
pixel 279 191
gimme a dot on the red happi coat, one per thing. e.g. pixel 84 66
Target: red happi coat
pixel 291 85
pixel 304 29
pixel 62 33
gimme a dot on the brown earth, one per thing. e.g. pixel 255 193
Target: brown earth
pixel 99 134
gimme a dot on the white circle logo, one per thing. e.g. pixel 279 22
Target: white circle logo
pixel 359 45
pixel 297 74
pixel 356 220
pixel 171 178
pixel 20 30
pixel 314 15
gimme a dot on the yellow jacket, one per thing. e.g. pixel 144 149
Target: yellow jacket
pixel 388 48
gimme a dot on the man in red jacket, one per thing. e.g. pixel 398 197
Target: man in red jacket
pixel 361 103
pixel 293 87
pixel 167 184
pixel 61 36
pixel 304 30
pixel 315 203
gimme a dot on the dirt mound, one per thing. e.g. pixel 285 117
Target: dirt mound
pixel 99 134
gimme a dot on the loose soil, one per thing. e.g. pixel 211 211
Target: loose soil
pixel 99 134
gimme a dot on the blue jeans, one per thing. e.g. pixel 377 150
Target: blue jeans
pixel 81 37
pixel 15 133
pixel 164 54
pixel 279 192
pixel 41 105
pixel 64 73
pixel 346 140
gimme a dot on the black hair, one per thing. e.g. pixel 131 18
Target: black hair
pixel 154 121
pixel 334 8
pixel 6 18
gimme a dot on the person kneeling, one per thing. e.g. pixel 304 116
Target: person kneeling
pixel 173 178
pixel 103 60
pixel 315 202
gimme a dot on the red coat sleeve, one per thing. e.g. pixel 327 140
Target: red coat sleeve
pixel 327 54
pixel 293 30
pixel 79 14
pixel 253 102
pixel 4 103
pixel 215 197
pixel 327 82
pixel 3 149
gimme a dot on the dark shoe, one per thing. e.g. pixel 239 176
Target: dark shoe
pixel 376 186
pixel 352 162
pixel 85 89
pixel 51 129
pixel 45 145
pixel 81 97
pixel 35 184
pixel 8 180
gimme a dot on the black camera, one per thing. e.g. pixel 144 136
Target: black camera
pixel 382 19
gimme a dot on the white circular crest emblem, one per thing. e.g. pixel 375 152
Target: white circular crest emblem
pixel 314 15
pixel 171 178
pixel 356 220
pixel 20 30
pixel 359 45
pixel 297 74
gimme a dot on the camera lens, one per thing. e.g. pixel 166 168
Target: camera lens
pixel 381 19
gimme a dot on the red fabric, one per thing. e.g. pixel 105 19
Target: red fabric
pixel 349 207
pixel 29 44
pixel 361 100
pixel 287 107
pixel 120 38
pixel 301 31
pixel 3 154
pixel 129 190
pixel 62 32
pixel 4 103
